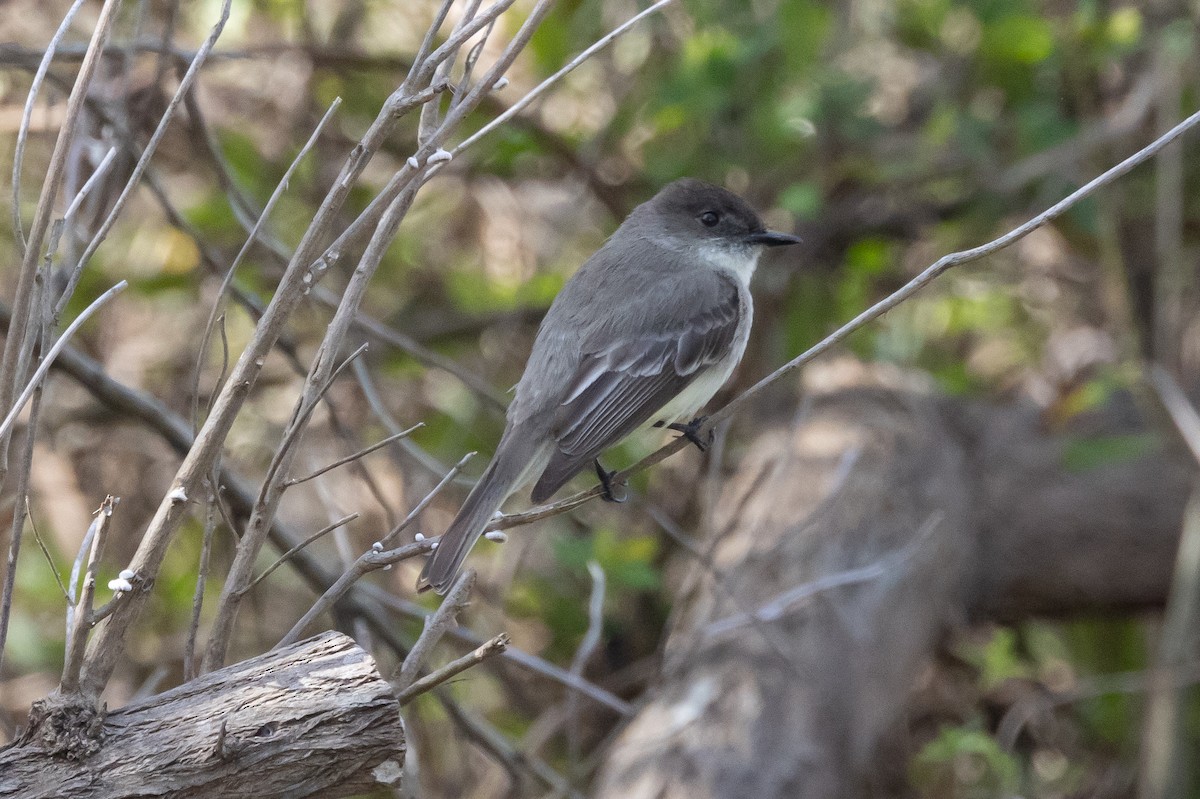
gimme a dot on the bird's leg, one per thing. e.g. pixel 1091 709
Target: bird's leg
pixel 691 431
pixel 607 483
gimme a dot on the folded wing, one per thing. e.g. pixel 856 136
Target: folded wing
pixel 619 387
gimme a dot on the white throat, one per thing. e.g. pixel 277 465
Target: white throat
pixel 740 261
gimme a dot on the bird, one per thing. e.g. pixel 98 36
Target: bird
pixel 643 334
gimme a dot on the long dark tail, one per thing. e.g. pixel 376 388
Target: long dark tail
pixel 501 477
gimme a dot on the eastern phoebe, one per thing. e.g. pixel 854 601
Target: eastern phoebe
pixel 643 334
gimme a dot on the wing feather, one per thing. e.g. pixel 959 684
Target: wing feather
pixel 619 388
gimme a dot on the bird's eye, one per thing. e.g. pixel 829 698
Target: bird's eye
pixel 710 218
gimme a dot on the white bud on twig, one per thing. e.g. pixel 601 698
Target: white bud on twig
pixel 499 536
pixel 413 162
pixel 500 84
pixel 440 156
pixel 377 546
pixel 120 586
pixel 177 495
pixel 419 537
pixel 127 574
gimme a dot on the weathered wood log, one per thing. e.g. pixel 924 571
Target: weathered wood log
pixel 897 515
pixel 312 719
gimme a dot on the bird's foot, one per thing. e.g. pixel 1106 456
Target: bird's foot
pixel 607 484
pixel 691 431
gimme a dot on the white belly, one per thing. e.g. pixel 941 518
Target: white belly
pixel 697 394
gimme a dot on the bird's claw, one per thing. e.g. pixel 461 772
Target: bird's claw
pixel 607 484
pixel 691 431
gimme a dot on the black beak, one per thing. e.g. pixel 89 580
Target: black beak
pixel 771 238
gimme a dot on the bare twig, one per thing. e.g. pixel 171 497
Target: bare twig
pixel 537 91
pixel 424 503
pixel 251 238
pixel 444 618
pixel 490 648
pixel 794 597
pixel 48 359
pixel 210 527
pixel 45 552
pixel 587 645
pixel 73 659
pixel 367 562
pixel 27 115
pixel 1181 410
pixel 18 523
pixel 286 556
pixel 362 453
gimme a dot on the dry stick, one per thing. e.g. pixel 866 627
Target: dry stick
pixel 19 339
pixel 369 561
pixel 874 312
pixel 362 453
pixel 1182 412
pixel 538 90
pixel 1162 728
pixel 375 558
pixel 419 352
pixel 97 175
pixel 251 237
pixel 210 528
pixel 420 506
pixel 18 524
pixel 37 536
pixel 27 117
pixel 77 637
pixel 490 648
pixel 48 359
pixel 442 619
pixel 591 639
pixel 286 556
pixel 135 176
pixel 552 672
pixel 371 394
pixel 495 742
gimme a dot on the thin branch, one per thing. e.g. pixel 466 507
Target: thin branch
pixel 26 117
pixel 789 600
pixel 286 556
pixel 369 561
pixel 537 91
pixel 490 648
pixel 48 359
pixel 252 237
pixel 73 659
pixel 17 526
pixel 1181 410
pixel 587 646
pixel 210 528
pixel 45 552
pixel 442 619
pixel 424 503
pixel 362 453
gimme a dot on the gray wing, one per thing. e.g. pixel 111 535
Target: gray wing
pixel 619 387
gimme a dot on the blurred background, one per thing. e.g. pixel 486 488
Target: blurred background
pixel 886 134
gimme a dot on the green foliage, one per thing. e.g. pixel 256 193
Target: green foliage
pixel 966 763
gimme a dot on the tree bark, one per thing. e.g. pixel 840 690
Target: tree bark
pixel 843 549
pixel 312 719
